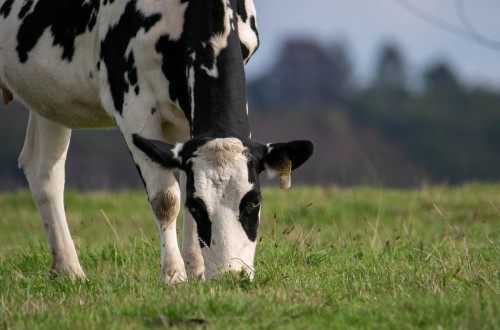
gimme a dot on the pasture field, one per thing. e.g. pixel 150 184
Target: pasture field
pixel 327 258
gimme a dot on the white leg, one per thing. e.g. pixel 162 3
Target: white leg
pixel 191 251
pixel 165 204
pixel 43 158
pixel 163 193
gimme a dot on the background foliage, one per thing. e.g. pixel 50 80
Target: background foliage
pixel 405 127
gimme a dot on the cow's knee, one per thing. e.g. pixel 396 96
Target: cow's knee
pixel 45 185
pixel 165 205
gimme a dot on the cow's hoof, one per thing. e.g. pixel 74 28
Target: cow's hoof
pixel 197 275
pixel 173 277
pixel 73 271
pixel 196 272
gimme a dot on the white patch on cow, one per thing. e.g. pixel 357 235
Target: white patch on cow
pixel 250 134
pixel 176 150
pixel 191 82
pixel 271 172
pixel 175 21
pixel 173 13
pixel 221 180
pixel 231 15
pixel 247 35
pixel 110 15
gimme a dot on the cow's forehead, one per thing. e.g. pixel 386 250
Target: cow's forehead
pixel 220 172
pixel 221 152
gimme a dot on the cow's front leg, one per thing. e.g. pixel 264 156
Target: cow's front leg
pixel 165 203
pixel 164 197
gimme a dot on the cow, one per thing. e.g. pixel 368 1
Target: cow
pixel 170 75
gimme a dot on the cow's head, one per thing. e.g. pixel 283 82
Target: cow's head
pixel 223 193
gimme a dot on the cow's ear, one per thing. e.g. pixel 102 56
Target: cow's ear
pixel 162 153
pixel 283 158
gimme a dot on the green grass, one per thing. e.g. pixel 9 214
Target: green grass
pixel 327 258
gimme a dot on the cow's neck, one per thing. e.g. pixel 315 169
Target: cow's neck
pixel 216 77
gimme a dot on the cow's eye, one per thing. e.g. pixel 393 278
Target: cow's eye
pixel 249 213
pixel 251 207
pixel 250 202
pixel 255 204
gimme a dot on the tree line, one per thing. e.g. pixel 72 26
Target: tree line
pixel 403 127
pixel 434 126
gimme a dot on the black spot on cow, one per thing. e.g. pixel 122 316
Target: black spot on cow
pixel 98 66
pixel 131 70
pixel 253 25
pixel 25 8
pixel 256 152
pixel 113 51
pixel 203 20
pixel 249 213
pixel 194 205
pixel 174 65
pixel 66 19
pixel 6 8
pixel 245 52
pixel 220 102
pixel 241 10
pixel 153 110
pixel 198 210
pixel 91 75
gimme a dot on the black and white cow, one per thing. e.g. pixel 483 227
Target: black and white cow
pixel 170 75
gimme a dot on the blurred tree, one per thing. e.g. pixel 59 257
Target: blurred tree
pixel 343 67
pixel 391 76
pixel 305 75
pixel 442 85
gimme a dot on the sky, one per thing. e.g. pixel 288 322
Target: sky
pixel 366 24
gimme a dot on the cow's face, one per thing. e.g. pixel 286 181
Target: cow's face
pixel 222 191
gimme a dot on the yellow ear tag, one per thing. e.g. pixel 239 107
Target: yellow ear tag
pixel 285 177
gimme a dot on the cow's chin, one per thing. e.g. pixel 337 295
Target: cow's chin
pixel 241 267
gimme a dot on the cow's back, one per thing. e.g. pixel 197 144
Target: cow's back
pixel 83 62
pixel 49 58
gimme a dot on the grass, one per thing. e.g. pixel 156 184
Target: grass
pixel 327 258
